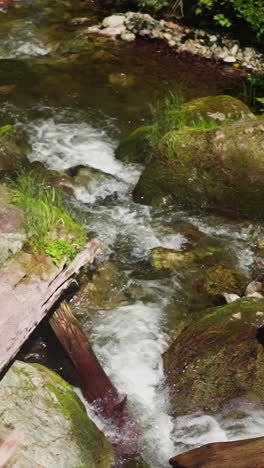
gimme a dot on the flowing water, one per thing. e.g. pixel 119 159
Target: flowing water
pixel 75 106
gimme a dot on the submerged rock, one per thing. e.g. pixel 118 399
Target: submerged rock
pixel 13 150
pixel 57 431
pixel 168 258
pixel 103 291
pixel 217 358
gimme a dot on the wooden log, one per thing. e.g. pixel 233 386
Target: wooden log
pixel 8 446
pixel 248 453
pixel 95 384
pixel 29 286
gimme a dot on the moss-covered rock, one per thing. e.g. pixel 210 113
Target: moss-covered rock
pixel 216 108
pixel 135 147
pixel 103 291
pixel 13 150
pixel 218 169
pixel 57 429
pixel 217 358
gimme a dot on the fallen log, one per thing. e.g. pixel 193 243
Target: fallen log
pixel 248 453
pixel 95 384
pixel 29 286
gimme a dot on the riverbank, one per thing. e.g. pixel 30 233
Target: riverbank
pixel 129 26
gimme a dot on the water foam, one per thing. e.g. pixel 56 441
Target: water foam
pixel 129 342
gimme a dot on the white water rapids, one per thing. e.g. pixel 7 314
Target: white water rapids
pixel 129 340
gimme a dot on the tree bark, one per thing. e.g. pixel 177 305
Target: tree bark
pixel 248 453
pixel 29 286
pixel 95 384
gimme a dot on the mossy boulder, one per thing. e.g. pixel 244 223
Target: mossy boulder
pixel 218 358
pixel 13 150
pixel 216 108
pixel 216 169
pixel 135 147
pixel 57 429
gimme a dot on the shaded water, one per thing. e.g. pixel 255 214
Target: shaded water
pixel 75 102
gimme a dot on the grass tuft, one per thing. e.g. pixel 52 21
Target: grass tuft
pixel 48 227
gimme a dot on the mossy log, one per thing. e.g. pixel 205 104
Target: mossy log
pixel 247 453
pixel 29 286
pixel 95 384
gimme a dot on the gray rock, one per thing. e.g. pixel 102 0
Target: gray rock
pixel 229 59
pixel 128 36
pixel 234 50
pixel 213 38
pixel 114 21
pixel 229 297
pixel 57 431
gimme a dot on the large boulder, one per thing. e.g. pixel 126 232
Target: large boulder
pixel 57 430
pixel 137 146
pixel 219 169
pixel 217 358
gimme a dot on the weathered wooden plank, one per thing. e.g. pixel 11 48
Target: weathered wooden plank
pixel 248 453
pixel 25 300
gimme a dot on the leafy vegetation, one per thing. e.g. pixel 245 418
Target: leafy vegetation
pixel 224 13
pixel 49 228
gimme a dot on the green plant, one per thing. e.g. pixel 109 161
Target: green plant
pixel 5 128
pixel 57 249
pixel 48 227
pixel 166 115
pixel 226 12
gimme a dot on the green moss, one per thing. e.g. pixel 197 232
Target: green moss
pixel 222 359
pixel 135 147
pixel 95 450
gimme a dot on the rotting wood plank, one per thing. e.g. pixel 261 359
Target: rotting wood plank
pixel 27 295
pixel 96 386
pixel 247 453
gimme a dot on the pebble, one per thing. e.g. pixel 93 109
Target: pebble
pixel 128 36
pixel 229 59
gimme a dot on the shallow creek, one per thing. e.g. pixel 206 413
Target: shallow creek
pixel 75 102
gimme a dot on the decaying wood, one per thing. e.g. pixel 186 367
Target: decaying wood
pixel 248 453
pixel 8 446
pixel 95 384
pixel 29 286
